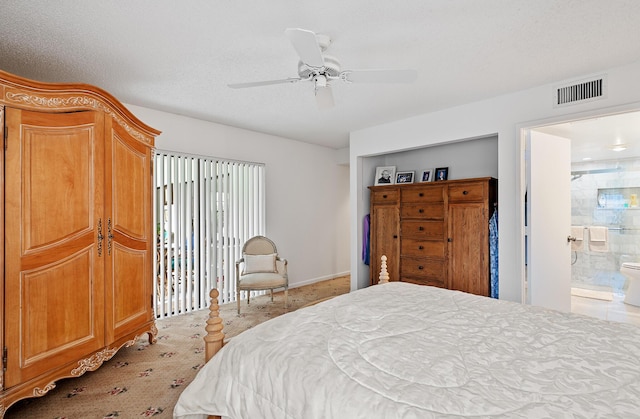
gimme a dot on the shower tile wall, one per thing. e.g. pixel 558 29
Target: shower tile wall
pixel 600 270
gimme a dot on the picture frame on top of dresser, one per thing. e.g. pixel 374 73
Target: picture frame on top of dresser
pixel 405 177
pixel 385 175
pixel 427 175
pixel 442 173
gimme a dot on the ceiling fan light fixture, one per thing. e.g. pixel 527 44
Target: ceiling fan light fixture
pixel 321 81
pixel 324 95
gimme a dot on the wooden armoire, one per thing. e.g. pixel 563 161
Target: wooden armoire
pixel 76 218
pixel 434 233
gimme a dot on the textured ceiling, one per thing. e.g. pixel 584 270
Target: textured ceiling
pixel 178 56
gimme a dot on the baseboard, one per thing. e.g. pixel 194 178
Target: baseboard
pixel 318 279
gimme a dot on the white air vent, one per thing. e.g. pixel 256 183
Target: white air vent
pixel 581 91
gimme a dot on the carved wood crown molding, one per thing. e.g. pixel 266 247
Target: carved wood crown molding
pixel 72 102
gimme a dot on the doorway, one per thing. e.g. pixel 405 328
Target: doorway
pixel 605 186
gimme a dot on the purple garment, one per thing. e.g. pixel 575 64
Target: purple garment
pixel 365 239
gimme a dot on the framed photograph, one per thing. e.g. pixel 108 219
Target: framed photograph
pixel 385 175
pixel 427 175
pixel 404 177
pixel 442 173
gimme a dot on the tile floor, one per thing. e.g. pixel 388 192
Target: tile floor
pixel 615 310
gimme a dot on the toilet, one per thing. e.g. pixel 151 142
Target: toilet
pixel 632 271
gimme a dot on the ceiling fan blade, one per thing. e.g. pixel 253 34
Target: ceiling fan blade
pixel 379 76
pixel 306 45
pixel 263 83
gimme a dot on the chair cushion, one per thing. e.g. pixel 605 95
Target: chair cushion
pixel 259 263
pixel 262 280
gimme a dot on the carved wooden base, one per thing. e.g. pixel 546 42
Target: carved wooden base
pixel 40 386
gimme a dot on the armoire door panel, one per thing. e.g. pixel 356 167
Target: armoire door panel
pixel 131 295
pixel 61 156
pixel 129 189
pixel 57 312
pixel 54 279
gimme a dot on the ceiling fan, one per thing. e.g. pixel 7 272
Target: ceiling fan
pixel 321 69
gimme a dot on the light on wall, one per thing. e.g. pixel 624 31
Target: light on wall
pixel 618 147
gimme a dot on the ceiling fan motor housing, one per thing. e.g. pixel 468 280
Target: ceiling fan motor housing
pixel 331 69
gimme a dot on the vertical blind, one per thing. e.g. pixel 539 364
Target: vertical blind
pixel 205 209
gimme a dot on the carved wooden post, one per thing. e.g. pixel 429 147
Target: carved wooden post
pixel 214 338
pixel 384 275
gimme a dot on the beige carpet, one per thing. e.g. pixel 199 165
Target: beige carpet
pixel 145 380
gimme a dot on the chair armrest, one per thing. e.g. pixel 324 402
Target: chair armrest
pixel 281 265
pixel 238 262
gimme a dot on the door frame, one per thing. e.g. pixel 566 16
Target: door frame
pixel 521 168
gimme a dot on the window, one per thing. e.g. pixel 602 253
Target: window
pixel 205 209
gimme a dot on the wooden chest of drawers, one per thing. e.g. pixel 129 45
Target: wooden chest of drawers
pixel 434 233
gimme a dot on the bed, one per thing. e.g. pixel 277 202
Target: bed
pixel 399 350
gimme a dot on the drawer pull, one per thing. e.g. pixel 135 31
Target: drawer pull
pixel 420 194
pixel 420 247
pixel 465 192
pixel 420 267
pixel 384 196
pixel 420 210
pixel 395 236
pixel 421 228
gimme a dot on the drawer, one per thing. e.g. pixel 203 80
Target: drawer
pixel 466 192
pixel 423 194
pixel 389 196
pixel 424 281
pixel 422 248
pixel 423 211
pixel 422 229
pixel 432 269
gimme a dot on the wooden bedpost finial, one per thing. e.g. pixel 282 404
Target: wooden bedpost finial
pixel 214 338
pixel 384 275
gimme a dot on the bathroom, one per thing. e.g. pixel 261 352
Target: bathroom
pixel 605 193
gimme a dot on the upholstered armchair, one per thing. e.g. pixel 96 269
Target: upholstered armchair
pixel 260 268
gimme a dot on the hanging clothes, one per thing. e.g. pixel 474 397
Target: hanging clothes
pixel 365 239
pixel 493 253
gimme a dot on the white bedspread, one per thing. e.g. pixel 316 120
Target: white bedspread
pixel 406 351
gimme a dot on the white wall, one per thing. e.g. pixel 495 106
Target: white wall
pixel 504 116
pixel 307 191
